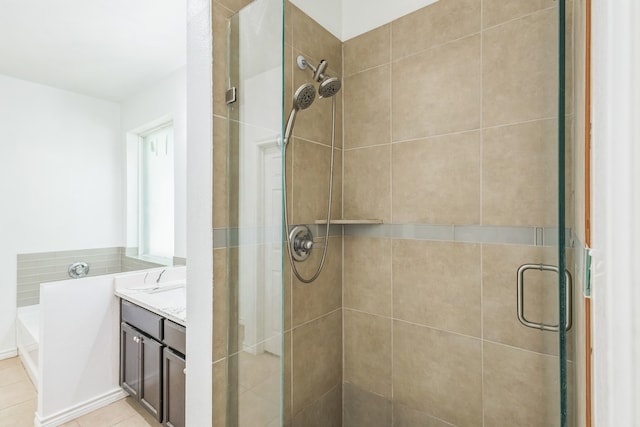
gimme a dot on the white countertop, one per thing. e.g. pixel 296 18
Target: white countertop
pixel 167 298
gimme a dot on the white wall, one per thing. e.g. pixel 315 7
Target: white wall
pixel 616 212
pixel 79 348
pixel 346 19
pixel 166 99
pixel 60 165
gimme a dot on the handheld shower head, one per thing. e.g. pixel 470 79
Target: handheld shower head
pixel 302 99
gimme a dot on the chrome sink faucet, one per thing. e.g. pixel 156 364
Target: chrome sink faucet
pixel 160 275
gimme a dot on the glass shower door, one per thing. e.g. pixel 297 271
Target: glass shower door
pixel 254 238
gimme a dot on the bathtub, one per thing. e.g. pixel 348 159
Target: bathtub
pixel 28 338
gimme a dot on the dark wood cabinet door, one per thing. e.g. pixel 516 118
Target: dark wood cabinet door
pixel 129 360
pixel 151 376
pixel 174 388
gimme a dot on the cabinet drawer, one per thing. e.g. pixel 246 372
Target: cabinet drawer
pixel 148 322
pixel 175 336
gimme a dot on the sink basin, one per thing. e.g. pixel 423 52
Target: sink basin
pixel 166 288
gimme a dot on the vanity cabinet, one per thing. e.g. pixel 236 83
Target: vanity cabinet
pixel 152 362
pixel 141 368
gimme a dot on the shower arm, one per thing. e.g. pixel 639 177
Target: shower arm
pixel 318 72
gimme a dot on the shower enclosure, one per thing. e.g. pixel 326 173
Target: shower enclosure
pixel 445 293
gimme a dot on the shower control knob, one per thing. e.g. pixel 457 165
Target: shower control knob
pixel 300 242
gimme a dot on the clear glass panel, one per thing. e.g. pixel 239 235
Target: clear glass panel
pixel 255 214
pixel 156 194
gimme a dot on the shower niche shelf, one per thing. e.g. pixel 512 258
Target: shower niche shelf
pixel 349 221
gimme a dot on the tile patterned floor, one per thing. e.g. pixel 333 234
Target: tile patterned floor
pixel 18 401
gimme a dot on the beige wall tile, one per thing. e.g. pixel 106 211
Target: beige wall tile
pixel 500 264
pixel 367 50
pixel 519 69
pixel 435 24
pixel 495 12
pixel 361 408
pixel 288 70
pixel 219 404
pixel 520 174
pixel 367 177
pixel 234 5
pixel 220 304
pixel 438 91
pixel 324 412
pixel 434 371
pixel 367 275
pixel 287 393
pixel 404 416
pixel 367 347
pixel 220 179
pixel 438 284
pixel 257 369
pixel 235 330
pixel 311 166
pixel 314 41
pixel 437 180
pixel 367 114
pixel 521 388
pixel 219 18
pixel 233 175
pixel 317 360
pixel 255 410
pixel 288 290
pixel 325 294
pixel 288 24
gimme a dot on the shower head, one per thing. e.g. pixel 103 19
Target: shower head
pixel 329 87
pixel 302 99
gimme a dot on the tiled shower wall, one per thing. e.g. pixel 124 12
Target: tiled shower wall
pixel 313 312
pixel 450 118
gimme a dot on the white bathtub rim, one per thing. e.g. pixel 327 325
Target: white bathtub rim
pixel 81 409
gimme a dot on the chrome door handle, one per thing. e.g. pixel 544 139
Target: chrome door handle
pixel 520 293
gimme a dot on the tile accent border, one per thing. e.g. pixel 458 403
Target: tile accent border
pixel 529 236
pixel 35 268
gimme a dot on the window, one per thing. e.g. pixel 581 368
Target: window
pixel 156 210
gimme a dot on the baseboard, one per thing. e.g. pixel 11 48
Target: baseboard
pixel 7 354
pixel 80 409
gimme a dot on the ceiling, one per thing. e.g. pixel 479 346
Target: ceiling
pixel 107 49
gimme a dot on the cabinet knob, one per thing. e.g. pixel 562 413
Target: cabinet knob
pixel 136 339
pixel 184 371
